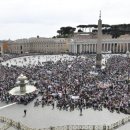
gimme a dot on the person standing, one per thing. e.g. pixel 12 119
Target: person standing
pixel 25 112
pixel 80 108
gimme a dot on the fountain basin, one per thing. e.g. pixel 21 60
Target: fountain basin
pixel 16 90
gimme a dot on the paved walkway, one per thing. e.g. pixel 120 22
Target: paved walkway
pixel 38 117
pixel 4 106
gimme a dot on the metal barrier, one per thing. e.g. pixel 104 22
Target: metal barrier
pixel 20 126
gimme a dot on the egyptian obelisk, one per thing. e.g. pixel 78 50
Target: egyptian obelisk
pixel 99 43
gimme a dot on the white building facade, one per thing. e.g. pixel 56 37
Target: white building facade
pixel 38 45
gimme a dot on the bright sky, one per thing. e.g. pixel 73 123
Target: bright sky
pixel 29 18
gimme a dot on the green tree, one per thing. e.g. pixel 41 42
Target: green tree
pixel 66 31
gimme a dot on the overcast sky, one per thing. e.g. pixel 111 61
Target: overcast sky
pixel 29 18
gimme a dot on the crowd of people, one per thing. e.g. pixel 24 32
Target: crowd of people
pixel 69 85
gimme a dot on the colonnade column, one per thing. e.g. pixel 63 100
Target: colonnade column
pixel 89 48
pixel 92 48
pixel 86 47
pixel 116 47
pixel 80 48
pixel 107 46
pixel 120 47
pixel 76 48
pixel 110 47
pixel 113 48
pixel 123 47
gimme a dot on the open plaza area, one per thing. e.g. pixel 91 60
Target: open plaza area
pixel 70 90
pixel 38 117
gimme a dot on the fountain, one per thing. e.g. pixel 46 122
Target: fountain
pixel 22 82
pixel 22 87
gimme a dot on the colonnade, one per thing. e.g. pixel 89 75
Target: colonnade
pixel 116 47
pixel 78 48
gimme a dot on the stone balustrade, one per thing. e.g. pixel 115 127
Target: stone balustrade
pixel 11 123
